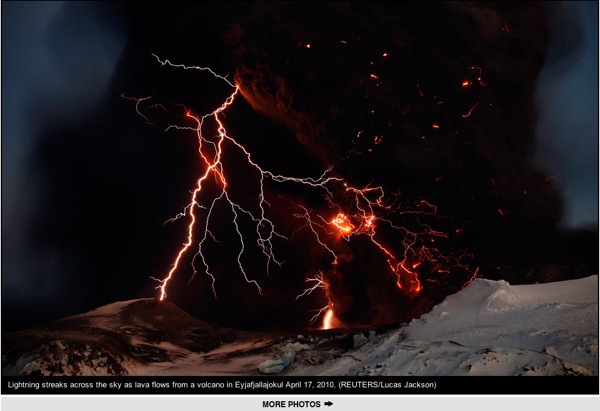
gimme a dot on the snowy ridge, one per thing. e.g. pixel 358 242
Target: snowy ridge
pixel 488 328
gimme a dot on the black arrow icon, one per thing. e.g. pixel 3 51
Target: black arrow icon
pixel 328 403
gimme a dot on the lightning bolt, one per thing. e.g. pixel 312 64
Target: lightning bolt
pixel 211 153
pixel 359 211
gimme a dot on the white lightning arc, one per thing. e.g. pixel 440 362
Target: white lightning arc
pixel 214 167
pixel 367 210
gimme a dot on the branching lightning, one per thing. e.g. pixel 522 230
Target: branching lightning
pixel 353 211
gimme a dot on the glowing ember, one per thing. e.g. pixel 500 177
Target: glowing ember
pixel 468 113
pixel 343 224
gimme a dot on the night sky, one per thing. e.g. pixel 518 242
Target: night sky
pixel 488 111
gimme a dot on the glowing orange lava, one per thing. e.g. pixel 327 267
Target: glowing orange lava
pixel 327 319
pixel 342 222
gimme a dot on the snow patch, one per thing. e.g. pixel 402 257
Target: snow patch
pixel 289 351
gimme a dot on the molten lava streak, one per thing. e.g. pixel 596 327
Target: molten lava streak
pixel 328 319
pixel 363 210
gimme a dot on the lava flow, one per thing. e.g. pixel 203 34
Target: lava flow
pixel 352 212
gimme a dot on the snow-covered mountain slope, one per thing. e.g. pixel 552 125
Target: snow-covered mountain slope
pixel 488 328
pixel 111 340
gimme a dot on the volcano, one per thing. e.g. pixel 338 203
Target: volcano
pixel 488 328
pixel 278 167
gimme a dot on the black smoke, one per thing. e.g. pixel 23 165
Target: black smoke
pixel 450 89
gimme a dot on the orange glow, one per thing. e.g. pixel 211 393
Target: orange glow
pixel 435 126
pixel 468 114
pixel 466 83
pixel 479 71
pixel 409 281
pixel 327 320
pixel 342 222
pixel 472 278
pixel 307 45
pixel 369 221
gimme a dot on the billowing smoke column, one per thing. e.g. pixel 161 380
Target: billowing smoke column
pixel 423 130
pixel 435 103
